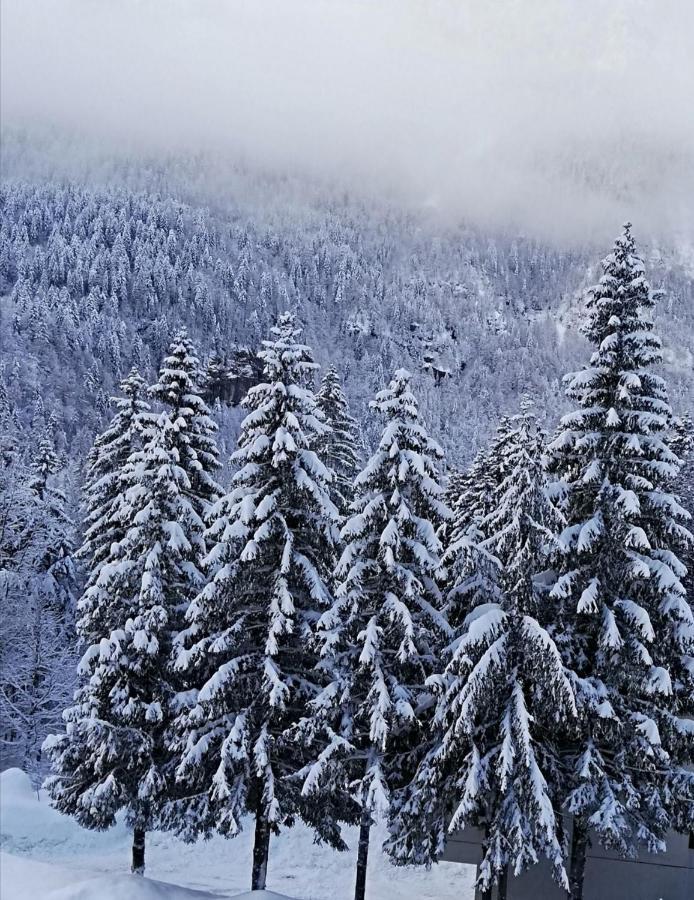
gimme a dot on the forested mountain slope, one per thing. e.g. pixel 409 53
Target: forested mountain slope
pixel 100 264
pixel 95 277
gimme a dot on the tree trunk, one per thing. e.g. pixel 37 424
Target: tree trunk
pixel 362 854
pixel 485 893
pixel 502 885
pixel 138 865
pixel 577 868
pixel 261 848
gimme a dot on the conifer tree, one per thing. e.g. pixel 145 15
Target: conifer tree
pixel 106 466
pixel 379 638
pixel 456 485
pixel 681 440
pixel 179 388
pixel 630 629
pixel 248 646
pixel 114 753
pixel 53 531
pixel 341 445
pixel 44 463
pixel 471 494
pixel 504 696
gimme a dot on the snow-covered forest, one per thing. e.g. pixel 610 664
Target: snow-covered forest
pixel 145 337
pixel 337 519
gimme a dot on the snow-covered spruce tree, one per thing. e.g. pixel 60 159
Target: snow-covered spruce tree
pixel 273 545
pixel 179 388
pixel 114 753
pixel 106 467
pixel 456 485
pixel 340 448
pixel 379 638
pixel 44 463
pixel 53 538
pixel 681 440
pixel 504 697
pixel 629 627
pixel 106 464
pixel 471 576
pixel 471 494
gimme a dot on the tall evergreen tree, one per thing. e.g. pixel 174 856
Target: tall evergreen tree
pixel 52 532
pixel 471 494
pixel 379 638
pixel 273 544
pixel 630 629
pixel 114 753
pixel 44 463
pixel 180 388
pixel 106 466
pixel 504 696
pixel 340 446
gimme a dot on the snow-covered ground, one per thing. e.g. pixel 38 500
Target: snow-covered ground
pixel 46 856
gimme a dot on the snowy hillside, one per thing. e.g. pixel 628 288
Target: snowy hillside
pixel 46 856
pixel 100 263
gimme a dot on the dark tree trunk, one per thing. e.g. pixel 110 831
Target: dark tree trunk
pixel 138 865
pixel 261 848
pixel 485 893
pixel 362 854
pixel 503 885
pixel 577 868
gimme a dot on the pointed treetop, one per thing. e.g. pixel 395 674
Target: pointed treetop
pixel 340 447
pixel 286 325
pixel 113 446
pixel 527 404
pixel 180 388
pixel 133 385
pixel 397 400
pixel 625 245
pixel 180 375
pixel 45 462
pixel 284 349
pixel 106 464
pixel 620 299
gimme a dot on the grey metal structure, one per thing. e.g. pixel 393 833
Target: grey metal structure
pixel 665 876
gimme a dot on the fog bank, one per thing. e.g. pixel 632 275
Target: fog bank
pixel 541 114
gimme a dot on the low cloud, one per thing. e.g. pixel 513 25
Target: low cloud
pixel 562 118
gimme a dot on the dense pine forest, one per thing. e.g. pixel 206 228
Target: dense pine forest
pixel 301 517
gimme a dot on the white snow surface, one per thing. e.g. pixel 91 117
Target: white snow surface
pixel 47 856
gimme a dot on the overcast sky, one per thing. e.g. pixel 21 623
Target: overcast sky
pixel 532 112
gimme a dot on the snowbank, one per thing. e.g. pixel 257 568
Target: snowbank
pixel 127 887
pixel 23 878
pixel 261 895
